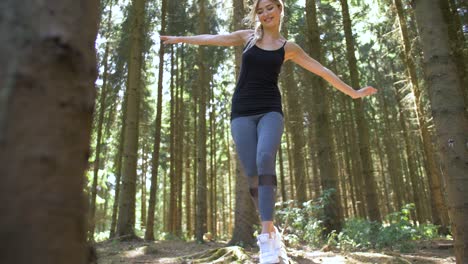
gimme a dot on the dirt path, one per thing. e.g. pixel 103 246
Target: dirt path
pixel 111 252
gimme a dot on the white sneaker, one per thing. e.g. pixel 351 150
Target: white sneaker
pixel 268 251
pixel 280 247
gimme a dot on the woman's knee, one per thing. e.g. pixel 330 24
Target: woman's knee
pixel 266 163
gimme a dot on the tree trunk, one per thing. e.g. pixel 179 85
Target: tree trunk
pixel 118 169
pixel 394 165
pixel 282 178
pixel 172 151
pixel 126 220
pixel 325 149
pixel 440 216
pixel 449 116
pixel 203 86
pixel 46 104
pixel 149 233
pixel 245 216
pixel 244 212
pixel 180 141
pixel 188 193
pixel 97 160
pixel 292 190
pixel 353 162
pixel 457 41
pixel 363 127
pixel 144 168
pixel 294 122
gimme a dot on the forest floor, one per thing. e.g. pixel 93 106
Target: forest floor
pixel 113 251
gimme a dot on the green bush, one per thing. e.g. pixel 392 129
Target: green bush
pixel 305 225
pixel 356 234
pixel 396 234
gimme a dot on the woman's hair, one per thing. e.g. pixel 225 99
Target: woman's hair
pixel 251 21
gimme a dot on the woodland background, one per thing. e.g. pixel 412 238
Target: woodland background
pixel 353 174
pixel 161 138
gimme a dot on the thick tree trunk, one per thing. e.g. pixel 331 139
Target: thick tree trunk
pixel 126 220
pixel 363 127
pixel 440 216
pixel 449 116
pixel 47 96
pixel 245 216
pixel 450 11
pixel 149 233
pixel 244 212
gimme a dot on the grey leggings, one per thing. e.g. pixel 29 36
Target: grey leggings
pixel 257 140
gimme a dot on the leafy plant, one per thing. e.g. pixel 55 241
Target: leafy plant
pixel 397 233
pixel 305 225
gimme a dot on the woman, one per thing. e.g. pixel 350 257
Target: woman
pixel 256 114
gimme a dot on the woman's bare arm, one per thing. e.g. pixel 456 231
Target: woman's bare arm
pixel 236 38
pixel 297 55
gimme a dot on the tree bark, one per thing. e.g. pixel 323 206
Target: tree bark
pixel 244 211
pixel 118 170
pixel 440 216
pixel 294 122
pixel 457 41
pixel 325 149
pixel 363 127
pixel 126 220
pixel 149 233
pixel 450 121
pixel 245 216
pixel 47 96
pixel 203 86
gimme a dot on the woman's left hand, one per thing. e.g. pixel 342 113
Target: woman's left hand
pixel 368 90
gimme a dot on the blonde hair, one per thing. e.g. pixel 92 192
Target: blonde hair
pixel 251 21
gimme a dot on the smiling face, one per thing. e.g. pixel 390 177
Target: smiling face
pixel 269 12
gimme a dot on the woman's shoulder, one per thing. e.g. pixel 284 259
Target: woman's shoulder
pixel 245 33
pixel 291 45
pixel 291 49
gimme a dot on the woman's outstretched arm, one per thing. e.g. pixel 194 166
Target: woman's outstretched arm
pixel 297 55
pixel 236 38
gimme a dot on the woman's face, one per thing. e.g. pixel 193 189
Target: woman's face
pixel 268 13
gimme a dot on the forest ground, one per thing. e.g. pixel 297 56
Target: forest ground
pixel 113 251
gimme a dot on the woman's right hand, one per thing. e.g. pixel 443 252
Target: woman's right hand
pixel 170 39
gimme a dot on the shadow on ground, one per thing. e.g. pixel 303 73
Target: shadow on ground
pixel 180 252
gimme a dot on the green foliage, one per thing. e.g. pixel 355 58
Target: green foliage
pixel 397 234
pixel 356 234
pixel 305 225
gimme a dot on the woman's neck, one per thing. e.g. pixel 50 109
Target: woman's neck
pixel 271 33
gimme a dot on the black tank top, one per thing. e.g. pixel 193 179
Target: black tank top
pixel 257 89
